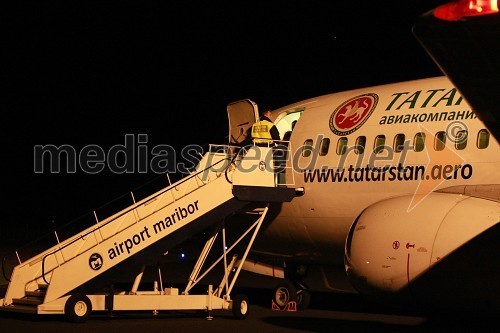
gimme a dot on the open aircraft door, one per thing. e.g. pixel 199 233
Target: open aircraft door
pixel 242 115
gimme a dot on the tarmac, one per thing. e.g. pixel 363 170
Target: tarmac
pixel 328 313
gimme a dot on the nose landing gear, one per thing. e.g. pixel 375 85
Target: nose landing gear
pixel 286 292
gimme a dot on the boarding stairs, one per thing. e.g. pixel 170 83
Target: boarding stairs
pixel 225 181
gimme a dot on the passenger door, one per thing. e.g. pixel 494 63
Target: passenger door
pixel 242 115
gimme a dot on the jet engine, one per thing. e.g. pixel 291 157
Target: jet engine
pixel 418 251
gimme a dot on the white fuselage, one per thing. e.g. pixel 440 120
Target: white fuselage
pixel 340 185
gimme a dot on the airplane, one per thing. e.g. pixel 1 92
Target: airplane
pixel 400 203
pixel 402 192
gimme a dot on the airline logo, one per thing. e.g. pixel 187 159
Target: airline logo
pixel 352 114
pixel 95 261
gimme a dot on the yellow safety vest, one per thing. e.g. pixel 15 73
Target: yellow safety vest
pixel 262 130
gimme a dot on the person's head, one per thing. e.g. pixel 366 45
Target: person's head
pixel 266 113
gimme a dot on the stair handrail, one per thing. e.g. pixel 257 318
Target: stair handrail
pixel 282 145
pixel 232 161
pixel 99 226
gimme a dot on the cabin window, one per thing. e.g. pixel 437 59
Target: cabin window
pixel 360 145
pixel 342 146
pixel 419 142
pixel 307 148
pixel 399 143
pixel 325 145
pixel 379 144
pixel 483 139
pixel 461 140
pixel 440 141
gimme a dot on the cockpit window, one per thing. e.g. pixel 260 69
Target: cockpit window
pixel 286 122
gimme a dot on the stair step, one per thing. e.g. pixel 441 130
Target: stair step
pixel 43 286
pixel 27 301
pixel 19 308
pixel 36 293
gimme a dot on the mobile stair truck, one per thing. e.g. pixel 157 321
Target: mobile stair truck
pixel 226 181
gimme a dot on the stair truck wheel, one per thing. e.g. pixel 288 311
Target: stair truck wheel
pixel 78 308
pixel 240 306
pixel 284 293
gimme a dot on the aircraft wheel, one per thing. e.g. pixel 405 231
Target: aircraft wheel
pixel 284 293
pixel 303 299
pixel 240 306
pixel 78 308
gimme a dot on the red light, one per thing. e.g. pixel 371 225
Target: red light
pixel 454 11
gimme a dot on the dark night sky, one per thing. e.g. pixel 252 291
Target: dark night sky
pixel 91 72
